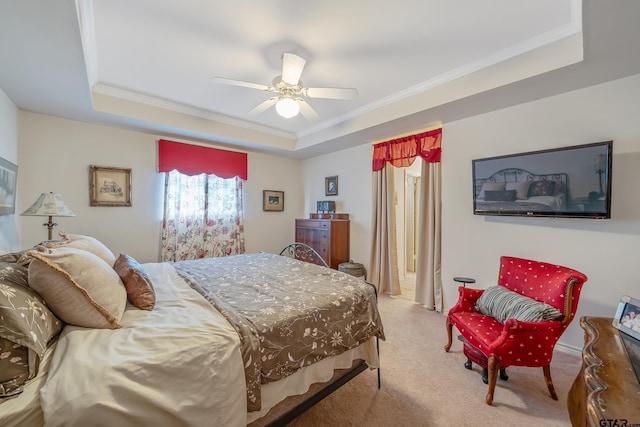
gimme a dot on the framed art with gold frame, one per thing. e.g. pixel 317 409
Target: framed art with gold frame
pixel 109 186
pixel 272 200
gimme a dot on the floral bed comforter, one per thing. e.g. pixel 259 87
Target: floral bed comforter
pixel 288 313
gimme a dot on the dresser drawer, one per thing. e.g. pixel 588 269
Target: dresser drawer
pixel 329 237
pixel 311 223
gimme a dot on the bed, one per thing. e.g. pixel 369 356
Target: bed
pixel 515 189
pixel 185 361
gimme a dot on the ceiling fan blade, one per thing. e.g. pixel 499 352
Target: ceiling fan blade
pixel 240 83
pixel 307 111
pixel 260 108
pixel 292 66
pixel 330 92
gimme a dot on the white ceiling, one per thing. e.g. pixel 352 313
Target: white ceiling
pixel 146 64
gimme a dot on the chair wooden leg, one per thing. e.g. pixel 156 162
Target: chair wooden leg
pixel 493 368
pixel 449 327
pixel 547 379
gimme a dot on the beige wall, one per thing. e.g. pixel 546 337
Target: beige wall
pixel 353 168
pixel 55 154
pixel 605 250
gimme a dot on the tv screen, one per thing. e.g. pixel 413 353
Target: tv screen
pixel 572 182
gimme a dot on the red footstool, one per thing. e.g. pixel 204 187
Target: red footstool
pixel 475 355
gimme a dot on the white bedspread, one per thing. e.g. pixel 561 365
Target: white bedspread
pixel 98 378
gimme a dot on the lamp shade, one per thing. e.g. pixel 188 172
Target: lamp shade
pixel 287 107
pixel 49 204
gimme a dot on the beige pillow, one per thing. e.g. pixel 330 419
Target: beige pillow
pixel 78 286
pixel 140 290
pixel 87 243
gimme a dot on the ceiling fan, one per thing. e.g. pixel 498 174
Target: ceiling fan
pixel 290 95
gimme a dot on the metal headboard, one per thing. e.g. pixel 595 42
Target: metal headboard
pixel 303 252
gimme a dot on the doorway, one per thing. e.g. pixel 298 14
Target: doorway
pixel 409 213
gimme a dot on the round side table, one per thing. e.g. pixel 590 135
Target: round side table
pixel 464 280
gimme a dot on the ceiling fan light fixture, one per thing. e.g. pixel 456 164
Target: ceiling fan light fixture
pixel 287 107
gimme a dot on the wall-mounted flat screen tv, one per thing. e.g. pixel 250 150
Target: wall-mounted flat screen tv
pixel 573 182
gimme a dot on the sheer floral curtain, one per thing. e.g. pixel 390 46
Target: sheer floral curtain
pixel 202 217
pixel 203 212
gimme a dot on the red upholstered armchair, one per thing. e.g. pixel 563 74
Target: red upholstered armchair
pixel 516 342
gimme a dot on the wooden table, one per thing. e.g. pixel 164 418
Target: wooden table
pixel 606 392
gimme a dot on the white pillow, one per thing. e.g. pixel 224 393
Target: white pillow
pixel 491 186
pixel 522 189
pixel 79 287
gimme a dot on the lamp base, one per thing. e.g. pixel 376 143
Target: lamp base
pixel 50 226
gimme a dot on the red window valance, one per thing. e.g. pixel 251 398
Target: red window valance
pixel 401 152
pixel 195 160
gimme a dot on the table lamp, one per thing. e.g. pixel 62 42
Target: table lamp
pixel 49 204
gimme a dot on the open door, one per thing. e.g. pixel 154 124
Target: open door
pixel 412 195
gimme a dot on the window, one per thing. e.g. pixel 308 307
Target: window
pixel 202 217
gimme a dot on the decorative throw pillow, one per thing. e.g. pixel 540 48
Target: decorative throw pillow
pixel 140 291
pixel 20 258
pixel 500 196
pixel 14 368
pixel 542 188
pixel 79 287
pixel 502 304
pixel 521 189
pixel 490 186
pixel 86 243
pixel 26 329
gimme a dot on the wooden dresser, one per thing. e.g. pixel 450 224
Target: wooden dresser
pixel 606 392
pixel 328 234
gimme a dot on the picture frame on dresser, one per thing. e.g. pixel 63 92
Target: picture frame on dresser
pixel 272 200
pixel 109 186
pixel 8 182
pixel 627 317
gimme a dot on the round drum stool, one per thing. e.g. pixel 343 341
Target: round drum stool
pixel 354 269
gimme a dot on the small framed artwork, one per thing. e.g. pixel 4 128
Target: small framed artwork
pixel 109 186
pixel 272 200
pixel 331 186
pixel 8 182
pixel 627 318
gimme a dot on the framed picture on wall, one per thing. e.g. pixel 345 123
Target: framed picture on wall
pixel 272 200
pixel 109 186
pixel 331 186
pixel 8 182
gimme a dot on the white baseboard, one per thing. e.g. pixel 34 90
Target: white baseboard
pixel 569 349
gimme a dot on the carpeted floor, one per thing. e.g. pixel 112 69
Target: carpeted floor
pixel 422 385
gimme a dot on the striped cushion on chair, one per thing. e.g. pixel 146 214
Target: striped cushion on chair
pixel 502 304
